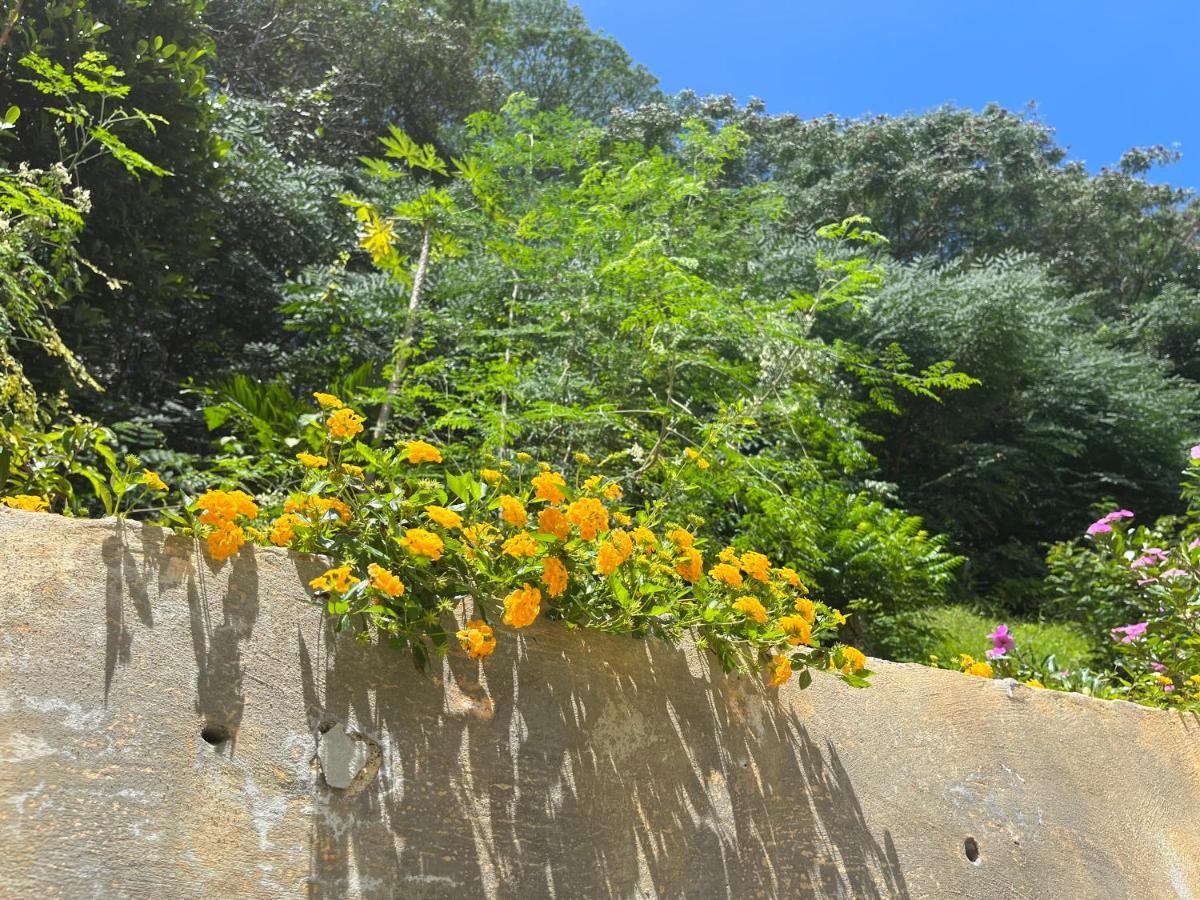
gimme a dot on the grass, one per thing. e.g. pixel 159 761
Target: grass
pixel 962 630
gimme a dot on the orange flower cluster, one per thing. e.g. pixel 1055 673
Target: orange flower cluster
pixel 339 579
pixel 220 510
pixel 420 542
pixel 522 606
pixel 752 608
pixel 447 518
pixel 384 581
pixel 588 515
pixel 513 511
pixel 554 576
pixel 576 532
pixel 551 521
pixel 417 452
pixel 549 486
pixel 477 639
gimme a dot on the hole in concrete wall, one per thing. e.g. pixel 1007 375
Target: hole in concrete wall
pixel 971 848
pixel 214 734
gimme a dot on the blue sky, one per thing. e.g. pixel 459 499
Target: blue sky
pixel 1105 75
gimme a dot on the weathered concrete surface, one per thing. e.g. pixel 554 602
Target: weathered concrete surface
pixel 573 765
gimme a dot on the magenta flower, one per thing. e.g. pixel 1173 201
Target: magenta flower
pixel 1153 556
pixel 1158 667
pixel 1103 525
pixel 1131 632
pixel 1002 642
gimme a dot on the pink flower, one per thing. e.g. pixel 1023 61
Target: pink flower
pixel 1131 632
pixel 1100 526
pixel 1195 452
pixel 1118 514
pixel 1153 556
pixel 1002 642
pixel 1158 667
pixel 1173 573
pixel 1194 544
pixel 1142 581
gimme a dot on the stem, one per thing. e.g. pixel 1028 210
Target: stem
pixel 13 16
pixel 410 327
pixel 512 302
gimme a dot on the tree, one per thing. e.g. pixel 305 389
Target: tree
pixel 150 234
pixel 546 49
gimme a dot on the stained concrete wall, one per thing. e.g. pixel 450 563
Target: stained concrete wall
pixel 572 765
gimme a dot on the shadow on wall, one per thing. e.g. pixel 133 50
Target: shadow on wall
pixel 219 625
pixel 582 766
pixel 163 554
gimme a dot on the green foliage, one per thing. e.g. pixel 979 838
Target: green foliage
pixel 73 468
pixel 1061 416
pixel 959 629
pixel 106 75
pixel 1139 587
pixel 546 50
pixel 858 554
pixel 42 213
pixel 634 324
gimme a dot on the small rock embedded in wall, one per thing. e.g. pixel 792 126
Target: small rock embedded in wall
pixel 346 755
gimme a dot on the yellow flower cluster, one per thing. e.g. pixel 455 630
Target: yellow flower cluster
pixel 551 521
pixel 339 579
pixel 853 660
pixel 694 456
pixel 726 574
pixel 520 545
pixel 797 628
pixel 561 532
pixel 512 511
pixel 970 666
pixel 549 486
pixel 310 461
pixel 26 502
pixel 781 671
pixel 153 481
pixel 589 515
pixel 315 510
pixel 752 608
pixel 344 423
pixel 420 542
pixel 283 529
pixel 554 576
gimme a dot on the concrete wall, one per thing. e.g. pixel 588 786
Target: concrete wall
pixel 572 765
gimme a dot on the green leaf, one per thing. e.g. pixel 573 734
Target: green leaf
pixel 464 486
